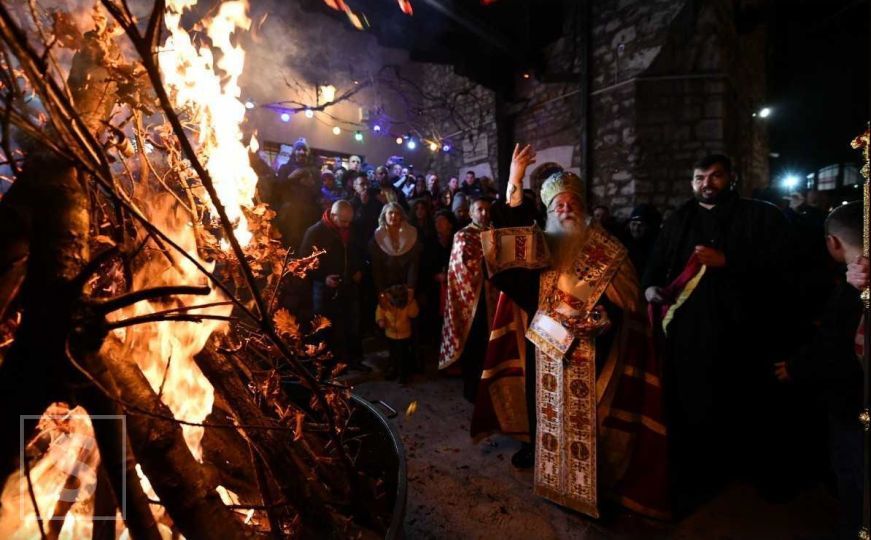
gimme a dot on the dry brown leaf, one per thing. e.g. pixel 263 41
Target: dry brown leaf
pixel 65 29
pixel 319 322
pixel 285 323
pixel 338 370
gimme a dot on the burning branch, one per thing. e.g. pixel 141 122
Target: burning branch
pixel 72 337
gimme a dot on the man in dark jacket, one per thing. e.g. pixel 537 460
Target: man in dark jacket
pixel 367 209
pixel 831 364
pixel 717 277
pixel 335 291
pixel 300 158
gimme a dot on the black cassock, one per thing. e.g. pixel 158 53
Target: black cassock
pixel 723 341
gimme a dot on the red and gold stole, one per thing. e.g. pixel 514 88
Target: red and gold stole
pixel 566 397
pixel 465 285
pixel 500 405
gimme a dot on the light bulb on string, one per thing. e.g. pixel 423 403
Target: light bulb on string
pixel 433 146
pixel 398 140
pixel 285 117
pixel 376 128
pixel 309 113
pixel 446 147
pixel 337 130
pixel 358 136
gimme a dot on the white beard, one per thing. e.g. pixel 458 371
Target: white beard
pixel 565 240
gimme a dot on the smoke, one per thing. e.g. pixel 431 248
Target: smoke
pixel 290 51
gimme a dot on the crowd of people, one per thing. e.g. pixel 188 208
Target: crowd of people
pixel 669 353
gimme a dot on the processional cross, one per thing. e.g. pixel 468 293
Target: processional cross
pixel 863 142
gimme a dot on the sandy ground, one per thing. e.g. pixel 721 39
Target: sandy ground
pixel 458 489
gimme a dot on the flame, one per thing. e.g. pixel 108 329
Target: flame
pixel 66 471
pixel 212 98
pixel 165 350
pixel 209 92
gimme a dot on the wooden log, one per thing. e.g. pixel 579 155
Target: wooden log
pixel 52 198
pixel 118 465
pixel 159 447
pixel 104 504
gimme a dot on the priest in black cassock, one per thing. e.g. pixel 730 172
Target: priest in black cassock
pixel 716 280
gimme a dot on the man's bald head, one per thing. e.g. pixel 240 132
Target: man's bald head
pixel 341 214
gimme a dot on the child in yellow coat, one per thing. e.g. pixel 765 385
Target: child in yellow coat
pixel 396 308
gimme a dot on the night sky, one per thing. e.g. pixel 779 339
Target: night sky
pixel 818 82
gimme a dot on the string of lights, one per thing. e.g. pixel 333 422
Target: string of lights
pixel 409 139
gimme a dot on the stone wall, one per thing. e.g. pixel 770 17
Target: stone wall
pixel 673 81
pixel 462 114
pixel 670 81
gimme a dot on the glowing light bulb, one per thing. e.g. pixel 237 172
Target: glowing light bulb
pixel 337 130
pixel 358 136
pixel 398 140
pixel 376 128
pixel 249 104
pixel 411 145
pixel 285 117
pixel 433 147
pixel 309 113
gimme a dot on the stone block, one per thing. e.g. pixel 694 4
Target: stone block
pixel 714 108
pixel 623 37
pixel 709 130
pixel 621 176
pixel 612 25
pixel 681 133
pixel 641 59
pixel 643 186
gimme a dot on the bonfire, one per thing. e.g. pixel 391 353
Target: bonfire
pixel 153 380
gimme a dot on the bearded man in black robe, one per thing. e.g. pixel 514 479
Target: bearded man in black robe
pixel 716 279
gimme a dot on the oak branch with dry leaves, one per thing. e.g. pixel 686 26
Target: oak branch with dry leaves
pixel 137 279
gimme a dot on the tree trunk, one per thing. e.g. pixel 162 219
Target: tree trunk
pixel 53 198
pixel 160 449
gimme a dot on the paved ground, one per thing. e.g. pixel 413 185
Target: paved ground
pixel 459 490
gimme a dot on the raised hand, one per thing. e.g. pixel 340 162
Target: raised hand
pixel 520 159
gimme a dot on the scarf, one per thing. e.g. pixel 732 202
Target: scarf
pixel 344 233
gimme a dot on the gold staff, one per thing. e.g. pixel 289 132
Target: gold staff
pixel 863 141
